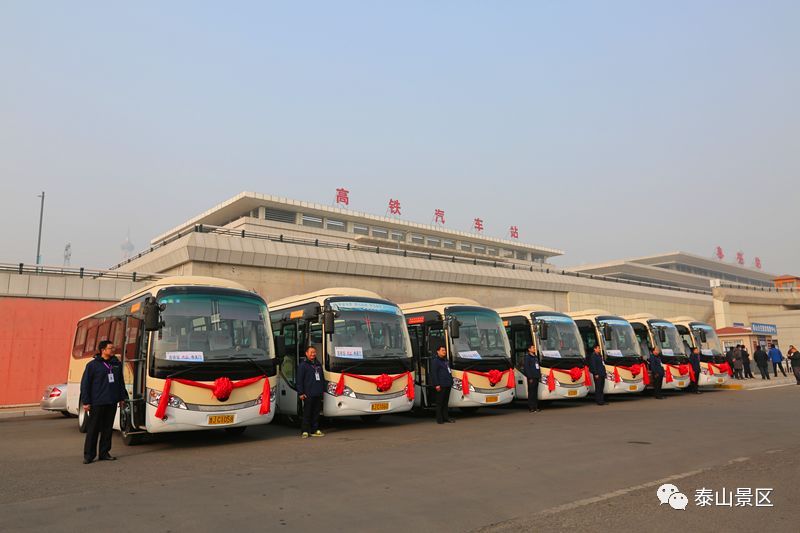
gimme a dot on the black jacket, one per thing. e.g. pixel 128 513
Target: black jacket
pixel 307 382
pixel 532 367
pixel 655 365
pixel 794 357
pixel 761 357
pixel 96 389
pixel 596 365
pixel 440 373
pixel 694 360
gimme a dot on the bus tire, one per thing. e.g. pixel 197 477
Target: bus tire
pixel 236 431
pixel 469 410
pixel 129 437
pixel 370 419
pixel 83 419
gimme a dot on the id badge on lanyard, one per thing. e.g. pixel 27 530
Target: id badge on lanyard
pixel 110 373
pixel 316 374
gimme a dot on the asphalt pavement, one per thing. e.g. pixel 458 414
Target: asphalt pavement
pixel 572 466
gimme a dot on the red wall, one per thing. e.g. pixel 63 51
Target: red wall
pixel 36 337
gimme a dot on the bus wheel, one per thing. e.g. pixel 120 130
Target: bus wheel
pixel 131 439
pixel 235 431
pixel 370 419
pixel 83 419
pixel 469 410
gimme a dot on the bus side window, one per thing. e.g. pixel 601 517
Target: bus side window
pixel 415 335
pixel 588 334
pixel 435 338
pixel 315 335
pixel 131 338
pixel 522 339
pixel 289 332
pixel 80 340
pixel 89 348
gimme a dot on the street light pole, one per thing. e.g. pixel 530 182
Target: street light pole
pixel 39 242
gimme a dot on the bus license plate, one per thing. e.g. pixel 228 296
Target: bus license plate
pixel 572 393
pixel 632 387
pixel 216 420
pixel 491 399
pixel 681 384
pixel 380 406
pixel 720 380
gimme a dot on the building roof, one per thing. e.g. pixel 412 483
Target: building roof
pixel 734 331
pixel 243 203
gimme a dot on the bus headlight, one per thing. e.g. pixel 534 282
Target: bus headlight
pixel 272 392
pixel 457 385
pixel 347 391
pixel 154 397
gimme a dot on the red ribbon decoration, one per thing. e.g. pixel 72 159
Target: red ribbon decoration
pixel 494 376
pixel 722 367
pixel 221 389
pixel 383 382
pixel 575 373
pixel 683 369
pixel 634 370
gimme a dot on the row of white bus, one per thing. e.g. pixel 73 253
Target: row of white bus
pixel 204 353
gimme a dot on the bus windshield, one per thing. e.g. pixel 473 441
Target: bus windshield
pixel 712 346
pixel 482 335
pixel 673 344
pixel 367 330
pixel 210 328
pixel 563 337
pixel 623 339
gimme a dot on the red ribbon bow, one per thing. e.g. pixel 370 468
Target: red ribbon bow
pixel 221 389
pixel 634 370
pixel 494 376
pixel 383 382
pixel 682 369
pixel 722 367
pixel 575 373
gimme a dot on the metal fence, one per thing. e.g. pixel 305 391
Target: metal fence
pixel 80 272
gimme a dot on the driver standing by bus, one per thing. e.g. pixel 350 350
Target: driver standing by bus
pixel 442 381
pixel 658 371
pixel 533 372
pixel 598 370
pixel 310 386
pixel 102 388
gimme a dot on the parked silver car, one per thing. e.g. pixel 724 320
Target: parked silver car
pixel 55 399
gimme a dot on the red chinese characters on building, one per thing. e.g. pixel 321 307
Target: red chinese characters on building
pixel 477 224
pixel 758 263
pixel 394 207
pixel 343 196
pixel 740 257
pixel 514 232
pixel 438 216
pixel 718 252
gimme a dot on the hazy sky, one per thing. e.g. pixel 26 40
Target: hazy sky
pixel 607 129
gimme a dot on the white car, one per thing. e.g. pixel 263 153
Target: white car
pixel 55 399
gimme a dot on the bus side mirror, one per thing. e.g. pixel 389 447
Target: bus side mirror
pixel 662 335
pixel 703 337
pixel 454 328
pixel 280 345
pixel 152 314
pixel 607 332
pixel 329 320
pixel 542 326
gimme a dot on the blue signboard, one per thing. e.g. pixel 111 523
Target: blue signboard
pixel 738 324
pixel 764 329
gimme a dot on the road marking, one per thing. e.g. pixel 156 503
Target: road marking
pixel 649 484
pixel 773 386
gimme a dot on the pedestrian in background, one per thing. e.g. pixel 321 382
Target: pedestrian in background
pixel 748 372
pixel 738 365
pixel 598 369
pixel 310 386
pixel 102 389
pixel 794 357
pixel 776 357
pixel 533 373
pixel 694 360
pixel 762 360
pixel 657 368
pixel 442 381
pixel 729 356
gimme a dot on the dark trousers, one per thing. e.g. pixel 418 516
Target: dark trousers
pixel 748 372
pixel 101 421
pixel 776 366
pixel 442 400
pixel 533 394
pixel 764 370
pixel 796 370
pixel 599 389
pixel 311 408
pixel 694 386
pixel 658 380
pixel 737 373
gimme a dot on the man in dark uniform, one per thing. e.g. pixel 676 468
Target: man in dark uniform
pixel 442 381
pixel 598 369
pixel 533 372
pixel 657 368
pixel 102 388
pixel 762 360
pixel 694 360
pixel 310 386
pixel 748 371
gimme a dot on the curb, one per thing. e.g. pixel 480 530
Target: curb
pixel 28 413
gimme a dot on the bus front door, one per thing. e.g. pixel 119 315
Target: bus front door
pixel 287 387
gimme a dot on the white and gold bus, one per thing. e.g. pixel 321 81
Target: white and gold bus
pixel 626 371
pixel 562 356
pixel 197 354
pixel 362 344
pixel 714 368
pixel 477 348
pixel 652 331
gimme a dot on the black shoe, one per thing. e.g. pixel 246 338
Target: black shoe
pixel 88 461
pixel 451 421
pixel 439 422
pixel 659 397
pixel 698 392
pixel 108 458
